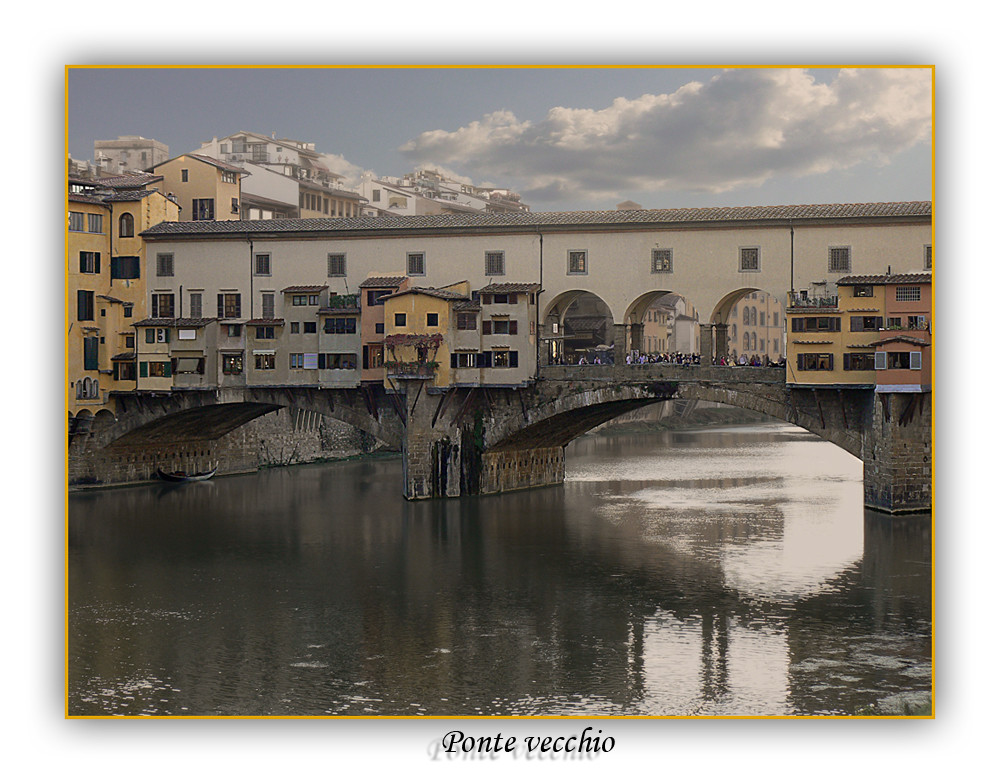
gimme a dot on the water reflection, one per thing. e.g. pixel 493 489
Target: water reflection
pixel 722 572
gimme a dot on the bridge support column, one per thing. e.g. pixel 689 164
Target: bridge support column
pixel 706 344
pixel 721 340
pixel 620 335
pixel 636 337
pixel 897 453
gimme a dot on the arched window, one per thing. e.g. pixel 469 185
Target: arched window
pixel 753 341
pixel 746 341
pixel 746 316
pixel 126 225
pixel 753 317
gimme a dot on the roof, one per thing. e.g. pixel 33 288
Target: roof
pixel 900 339
pixel 438 293
pixel 130 181
pixel 531 221
pixel 129 195
pixel 882 280
pixel 265 322
pixel 84 197
pixel 173 322
pixel 115 300
pixel 350 310
pixel 204 159
pixel 504 288
pixel 123 356
pixel 304 289
pixel 382 282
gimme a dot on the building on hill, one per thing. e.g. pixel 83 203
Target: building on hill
pixel 428 192
pixel 128 154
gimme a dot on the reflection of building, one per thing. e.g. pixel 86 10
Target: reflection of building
pixel 757 326
pixel 876 331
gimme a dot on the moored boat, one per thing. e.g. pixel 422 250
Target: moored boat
pixel 181 476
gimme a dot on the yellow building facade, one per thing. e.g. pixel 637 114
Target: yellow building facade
pixel 205 188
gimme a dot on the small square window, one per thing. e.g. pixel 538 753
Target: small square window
pixel 663 260
pixel 749 259
pixel 164 265
pixel 432 319
pixel 577 262
pixel 400 319
pixel 840 259
pixel 416 264
pixel 262 264
pixel 928 257
pixel 495 263
pixel 336 265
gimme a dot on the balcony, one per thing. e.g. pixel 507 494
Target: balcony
pixel 813 303
pixel 414 370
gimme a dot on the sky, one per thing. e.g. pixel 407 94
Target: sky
pixel 564 138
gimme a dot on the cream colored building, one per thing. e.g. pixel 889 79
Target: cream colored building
pixel 206 189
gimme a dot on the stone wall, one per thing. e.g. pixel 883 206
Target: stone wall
pixel 898 453
pixel 287 436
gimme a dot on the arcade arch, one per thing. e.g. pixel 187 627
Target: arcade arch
pixel 578 326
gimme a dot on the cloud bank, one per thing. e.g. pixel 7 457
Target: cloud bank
pixel 741 128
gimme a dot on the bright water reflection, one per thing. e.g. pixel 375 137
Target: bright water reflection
pixel 724 572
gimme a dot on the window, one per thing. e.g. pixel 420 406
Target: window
pixel 234 330
pixel 235 209
pixel 376 195
pixel 76 221
pixel 464 359
pixel 90 349
pixel 432 319
pixel 228 176
pixel 866 323
pixel 576 262
pixel 749 259
pixel 293 327
pixel 815 361
pixel 916 322
pixel 314 299
pixel 309 327
pixel 928 257
pixel 202 209
pixel 124 371
pixel 154 369
pixel 184 175
pixel 336 265
pixel 374 356
pixel 663 260
pixel 189 365
pixel 263 361
pixel 466 320
pixel 265 333
pixel 296 361
pixel 130 341
pixel 894 322
pixel 898 360
pixel 195 304
pixel 229 306
pixel 258 152
pixel 267 304
pixel 379 327
pixel 340 326
pixel 127 311
pixel 864 291
pixel 504 359
pixel 125 268
pixel 816 324
pixel 95 224
pixel 907 293
pixel 374 294
pixel 90 262
pixel 400 320
pixel 415 264
pixel 157 335
pixel 164 265
pixel 163 305
pixel 500 327
pixel 494 263
pixel 262 264
pixel 840 259
pixel 126 225
pixel 337 361
pixel 232 364
pixel 859 360
pixel 299 299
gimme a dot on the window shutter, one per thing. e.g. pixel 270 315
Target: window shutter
pixel 156 306
pixel 487 327
pixel 364 359
pixel 97 262
pixel 513 359
pixel 321 362
pixel 513 299
pixel 880 358
pixel 454 360
pixel 166 336
pixel 90 353
pixel 170 367
pixel 915 359
pixel 201 364
pixel 513 327
pixel 143 369
pixel 222 306
pixel 857 323
pixel 83 261
pixel 488 359
pixel 487 299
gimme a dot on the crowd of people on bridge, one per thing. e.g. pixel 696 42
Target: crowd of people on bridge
pixel 672 358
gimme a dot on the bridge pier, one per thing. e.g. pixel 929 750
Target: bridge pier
pixel 897 453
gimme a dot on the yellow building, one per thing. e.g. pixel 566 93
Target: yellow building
pixel 205 188
pixel 105 285
pixel 416 333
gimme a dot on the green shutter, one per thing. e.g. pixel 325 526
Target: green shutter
pixel 143 369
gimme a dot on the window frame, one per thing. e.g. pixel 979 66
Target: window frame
pixel 262 261
pixel 574 257
pixel 745 254
pixel 335 262
pixel 164 265
pixel 499 260
pixel 842 266
pixel 663 265
pixel 413 256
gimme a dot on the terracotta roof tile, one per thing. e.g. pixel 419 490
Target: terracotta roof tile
pixel 382 282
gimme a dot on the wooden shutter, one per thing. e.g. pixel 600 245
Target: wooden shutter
pixel 513 359
pixel 143 369
pixel 513 327
pixel 222 305
pixel 487 327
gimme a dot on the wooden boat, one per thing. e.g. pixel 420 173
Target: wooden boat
pixel 180 476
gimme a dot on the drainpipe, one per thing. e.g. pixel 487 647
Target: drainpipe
pixel 791 264
pixel 251 275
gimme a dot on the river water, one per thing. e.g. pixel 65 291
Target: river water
pixel 714 572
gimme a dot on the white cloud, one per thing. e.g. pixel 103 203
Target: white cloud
pixel 743 127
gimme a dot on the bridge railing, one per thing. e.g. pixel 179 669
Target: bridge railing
pixel 664 372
